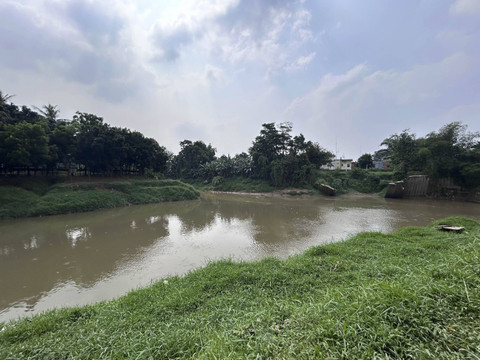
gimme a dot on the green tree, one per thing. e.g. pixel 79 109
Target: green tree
pixel 50 112
pixel 449 150
pixel 24 145
pixel 382 154
pixel 365 161
pixel 470 167
pixel 188 162
pixel 283 159
pixel 317 155
pixel 4 98
pixel 63 138
pixel 91 138
pixel 270 145
pixel 403 150
pixel 242 165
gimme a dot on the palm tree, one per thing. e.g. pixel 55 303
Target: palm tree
pixel 4 98
pixel 50 112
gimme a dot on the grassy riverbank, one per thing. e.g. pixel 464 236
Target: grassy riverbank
pixel 358 180
pixel 234 184
pixel 411 294
pixel 37 197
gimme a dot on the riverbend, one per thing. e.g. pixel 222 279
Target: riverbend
pixel 76 259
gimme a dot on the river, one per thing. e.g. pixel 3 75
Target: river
pixel 77 259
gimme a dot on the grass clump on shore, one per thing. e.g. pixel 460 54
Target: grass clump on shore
pixel 236 184
pixel 411 294
pixel 35 200
pixel 356 180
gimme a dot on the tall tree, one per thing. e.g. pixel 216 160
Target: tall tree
pixel 284 160
pixel 24 145
pixel 267 147
pixel 50 112
pixel 403 149
pixel 365 161
pixel 191 157
pixel 317 155
pixel 91 138
pixel 446 150
pixel 4 98
pixel 63 139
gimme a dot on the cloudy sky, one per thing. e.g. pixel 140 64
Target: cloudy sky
pixel 346 73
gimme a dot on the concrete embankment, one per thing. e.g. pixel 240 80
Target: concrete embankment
pixel 416 186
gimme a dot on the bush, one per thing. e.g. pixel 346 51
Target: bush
pixel 357 173
pixel 398 176
pixel 355 180
pixel 217 180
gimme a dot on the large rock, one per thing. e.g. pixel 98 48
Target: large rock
pixel 326 189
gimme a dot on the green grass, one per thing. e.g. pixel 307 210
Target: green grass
pixel 411 294
pixel 357 180
pixel 61 198
pixel 343 181
pixel 15 201
pixel 37 185
pixel 236 184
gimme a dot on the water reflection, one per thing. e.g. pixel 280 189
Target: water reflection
pixel 32 244
pixel 78 234
pixel 39 254
pixel 81 258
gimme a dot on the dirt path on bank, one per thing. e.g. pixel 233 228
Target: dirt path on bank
pixel 276 193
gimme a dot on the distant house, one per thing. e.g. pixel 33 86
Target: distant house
pixel 342 164
pixel 382 164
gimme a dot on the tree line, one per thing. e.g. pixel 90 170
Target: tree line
pixel 275 156
pixel 38 141
pixel 451 152
pixel 33 141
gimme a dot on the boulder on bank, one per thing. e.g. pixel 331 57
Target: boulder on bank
pixel 457 229
pixel 326 189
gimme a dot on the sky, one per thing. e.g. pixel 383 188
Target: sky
pixel 346 73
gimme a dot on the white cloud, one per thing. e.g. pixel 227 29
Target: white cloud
pixel 78 41
pixel 364 106
pixel 222 67
pixel 267 32
pixel 301 62
pixel 302 19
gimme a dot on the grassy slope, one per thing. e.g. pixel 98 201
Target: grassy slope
pixel 344 181
pixel 34 199
pixel 236 184
pixel 356 180
pixel 414 293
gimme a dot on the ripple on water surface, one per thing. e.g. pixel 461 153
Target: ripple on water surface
pixel 77 259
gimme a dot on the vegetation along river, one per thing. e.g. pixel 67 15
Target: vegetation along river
pixel 77 259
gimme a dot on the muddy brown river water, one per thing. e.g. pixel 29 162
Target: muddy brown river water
pixel 76 259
